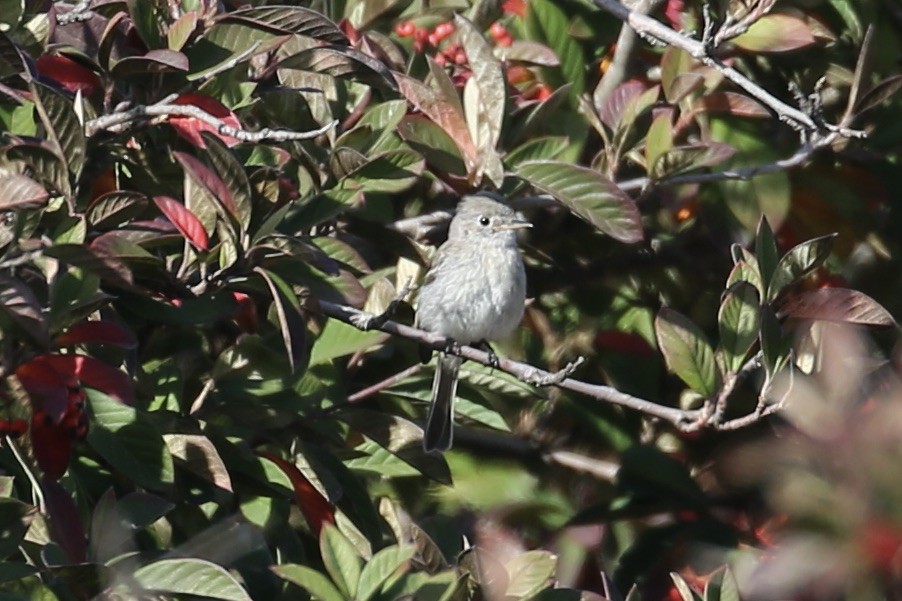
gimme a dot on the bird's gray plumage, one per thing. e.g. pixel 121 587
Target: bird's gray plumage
pixel 475 291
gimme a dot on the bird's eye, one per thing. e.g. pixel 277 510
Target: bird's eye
pixel 483 221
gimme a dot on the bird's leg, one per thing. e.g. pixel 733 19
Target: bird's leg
pixel 494 362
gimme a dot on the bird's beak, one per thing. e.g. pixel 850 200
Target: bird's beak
pixel 513 225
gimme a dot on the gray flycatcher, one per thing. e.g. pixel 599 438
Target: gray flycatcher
pixel 474 292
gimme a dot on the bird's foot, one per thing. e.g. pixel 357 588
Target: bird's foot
pixel 494 361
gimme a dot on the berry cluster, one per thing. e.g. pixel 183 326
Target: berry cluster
pixel 525 85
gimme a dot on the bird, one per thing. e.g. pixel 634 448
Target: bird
pixel 474 292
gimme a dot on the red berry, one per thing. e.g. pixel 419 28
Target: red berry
pixel 434 39
pixel 443 30
pixel 421 35
pixel 497 30
pixel 543 92
pixel 460 57
pixel 440 60
pixel 518 74
pixel 405 29
pixel 505 41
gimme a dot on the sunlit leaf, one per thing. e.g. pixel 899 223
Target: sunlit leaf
pixel 799 262
pixel 776 32
pixel 738 322
pixel 686 351
pixel 315 583
pixel 837 304
pixel 21 192
pixel 190 576
pixel 589 194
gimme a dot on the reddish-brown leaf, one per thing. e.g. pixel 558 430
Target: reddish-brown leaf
pixel 96 332
pixel 208 178
pixel 732 103
pixel 317 510
pixel 96 374
pixel 46 387
pixel 190 127
pixel 837 304
pixel 66 524
pixel 184 220
pixel 70 75
pixel 52 447
pixel 21 192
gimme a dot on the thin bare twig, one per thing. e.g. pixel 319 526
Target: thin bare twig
pixel 651 29
pixel 386 383
pixel 114 121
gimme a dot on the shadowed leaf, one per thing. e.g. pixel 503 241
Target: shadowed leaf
pixel 837 304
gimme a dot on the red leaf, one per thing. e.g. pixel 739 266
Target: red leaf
pixel 732 103
pixel 66 524
pixel 96 374
pixel 184 220
pixel 837 304
pixel 46 387
pixel 316 509
pixel 190 127
pixel 96 332
pixel 208 179
pixel 52 446
pixel 69 74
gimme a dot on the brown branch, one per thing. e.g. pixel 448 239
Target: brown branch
pixel 386 383
pixel 527 373
pixel 115 122
pixel 623 54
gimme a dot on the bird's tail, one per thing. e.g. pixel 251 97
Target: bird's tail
pixel 439 431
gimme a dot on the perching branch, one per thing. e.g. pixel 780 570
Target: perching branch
pixel 116 121
pixel 684 420
pixel 653 30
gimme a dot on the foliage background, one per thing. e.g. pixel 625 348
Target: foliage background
pixel 188 189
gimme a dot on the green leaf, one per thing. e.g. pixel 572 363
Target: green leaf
pixel 115 208
pixel 686 158
pixel 433 142
pixel 296 20
pixel 315 583
pixel 546 147
pixel 128 441
pixel 190 576
pixel 775 347
pixel 291 321
pixel 341 560
pixel 659 139
pixel 62 125
pixel 338 339
pixel 590 195
pixel 392 171
pixel 766 251
pixel 381 568
pixel 800 261
pixel 344 63
pixel 738 320
pixel 401 437
pixel 530 572
pixel 765 194
pixel 686 592
pixel 646 472
pixel 776 32
pixel 548 22
pixel 686 351
pixel 722 586
pixel 15 518
pixel 47 164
